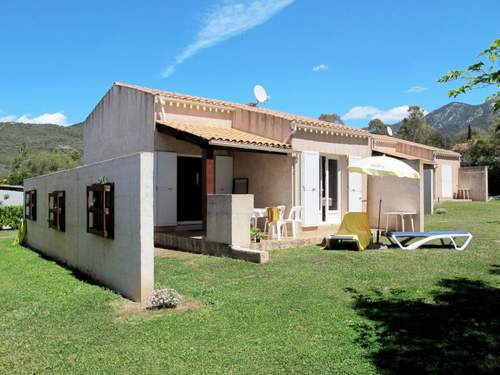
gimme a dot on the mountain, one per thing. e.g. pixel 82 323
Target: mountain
pixel 38 137
pixel 454 118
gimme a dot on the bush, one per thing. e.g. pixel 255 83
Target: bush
pixel 11 215
pixel 164 298
pixel 440 211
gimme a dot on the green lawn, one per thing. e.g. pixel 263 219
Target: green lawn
pixel 307 311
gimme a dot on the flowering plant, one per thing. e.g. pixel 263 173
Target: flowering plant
pixel 164 298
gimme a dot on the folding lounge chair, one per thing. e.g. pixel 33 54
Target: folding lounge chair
pixel 402 239
pixel 354 229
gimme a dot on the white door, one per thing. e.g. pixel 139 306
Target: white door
pixel 223 175
pixel 355 188
pixel 447 181
pixel 165 177
pixel 309 167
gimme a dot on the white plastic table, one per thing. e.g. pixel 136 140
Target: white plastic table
pixel 402 215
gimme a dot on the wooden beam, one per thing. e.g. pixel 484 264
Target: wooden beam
pixel 208 180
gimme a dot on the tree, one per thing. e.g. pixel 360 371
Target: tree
pixel 414 127
pixel 469 133
pixel 18 171
pixel 26 165
pixel 479 75
pixel 377 126
pixel 331 117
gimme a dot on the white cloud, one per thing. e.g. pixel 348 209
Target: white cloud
pixel 360 112
pixel 319 67
pixel 393 115
pixel 47 118
pixel 8 118
pixel 369 112
pixel 417 89
pixel 226 20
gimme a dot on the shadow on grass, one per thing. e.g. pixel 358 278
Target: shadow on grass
pixel 457 334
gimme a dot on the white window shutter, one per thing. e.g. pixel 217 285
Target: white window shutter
pixel 310 188
pixel 355 188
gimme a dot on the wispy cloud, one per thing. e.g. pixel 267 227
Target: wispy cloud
pixel 319 67
pixel 57 118
pixel 226 20
pixel 417 89
pixel 394 114
pixel 360 112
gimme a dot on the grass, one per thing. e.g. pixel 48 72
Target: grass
pixel 307 311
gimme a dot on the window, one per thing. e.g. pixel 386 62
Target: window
pixel 30 205
pixel 57 210
pixel 100 210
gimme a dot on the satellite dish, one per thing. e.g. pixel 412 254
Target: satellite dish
pixel 260 94
pixel 389 131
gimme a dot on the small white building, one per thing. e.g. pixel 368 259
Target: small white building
pixel 11 195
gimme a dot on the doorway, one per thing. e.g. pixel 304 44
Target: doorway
pixel 189 190
pixel 330 191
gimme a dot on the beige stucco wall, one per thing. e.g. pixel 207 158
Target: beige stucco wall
pixel 167 143
pixel 269 177
pixel 397 194
pixel 121 124
pixel 124 264
pixel 455 165
pixel 339 146
pixel 475 179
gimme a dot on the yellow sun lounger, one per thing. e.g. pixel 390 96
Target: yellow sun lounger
pixel 354 228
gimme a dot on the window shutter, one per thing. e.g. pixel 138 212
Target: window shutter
pixel 310 188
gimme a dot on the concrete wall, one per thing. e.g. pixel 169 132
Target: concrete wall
pixel 228 218
pixel 124 264
pixel 121 124
pixel 397 194
pixel 475 179
pixel 269 177
pixel 14 198
pixel 438 187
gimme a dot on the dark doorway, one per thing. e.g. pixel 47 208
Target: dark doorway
pixel 189 188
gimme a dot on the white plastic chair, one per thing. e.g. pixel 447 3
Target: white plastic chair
pixel 275 226
pixel 294 218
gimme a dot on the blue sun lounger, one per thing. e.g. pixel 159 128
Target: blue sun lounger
pixel 403 239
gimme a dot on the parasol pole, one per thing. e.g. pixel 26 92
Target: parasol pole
pixel 378 222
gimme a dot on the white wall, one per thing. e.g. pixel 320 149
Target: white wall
pixel 15 198
pixel 124 264
pixel 121 124
pixel 397 194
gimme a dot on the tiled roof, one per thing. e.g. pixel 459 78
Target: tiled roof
pixel 437 150
pixel 223 134
pixel 392 152
pixel 288 116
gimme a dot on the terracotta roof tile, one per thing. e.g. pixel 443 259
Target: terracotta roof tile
pixel 222 134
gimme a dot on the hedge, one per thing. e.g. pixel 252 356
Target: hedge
pixel 10 215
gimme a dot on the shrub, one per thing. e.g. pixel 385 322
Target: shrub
pixel 10 215
pixel 164 298
pixel 441 211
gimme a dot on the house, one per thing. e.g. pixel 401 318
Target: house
pixel 157 164
pixel 11 195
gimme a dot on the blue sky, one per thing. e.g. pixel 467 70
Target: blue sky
pixel 361 59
